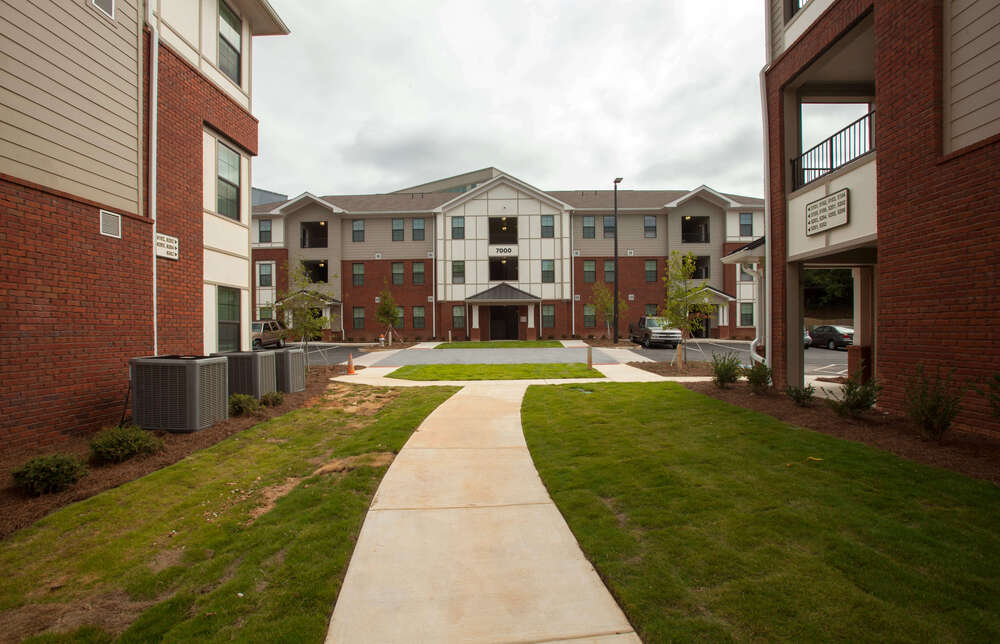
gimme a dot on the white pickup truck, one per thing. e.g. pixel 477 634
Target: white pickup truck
pixel 653 330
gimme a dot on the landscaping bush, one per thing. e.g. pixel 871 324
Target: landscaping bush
pixel 243 404
pixel 759 376
pixel 47 474
pixel 856 397
pixel 725 369
pixel 801 396
pixel 932 401
pixel 273 398
pixel 117 444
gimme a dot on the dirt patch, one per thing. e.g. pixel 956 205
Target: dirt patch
pixel 691 368
pixel 18 510
pixel 269 497
pixel 113 612
pixel 359 400
pixel 165 559
pixel 964 452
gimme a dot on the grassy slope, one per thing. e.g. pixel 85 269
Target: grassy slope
pixel 503 344
pixel 494 371
pixel 709 522
pixel 288 564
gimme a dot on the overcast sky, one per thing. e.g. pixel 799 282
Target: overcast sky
pixel 377 96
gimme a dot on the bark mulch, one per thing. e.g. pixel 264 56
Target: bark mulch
pixel 691 368
pixel 18 510
pixel 960 451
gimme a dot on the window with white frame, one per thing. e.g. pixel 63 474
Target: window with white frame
pixel 397 273
pixel 458 227
pixel 548 316
pixel 548 226
pixel 589 316
pixel 228 318
pixel 397 229
pixel 418 229
pixel 458 316
pixel 649 226
pixel 227 186
pixel 588 227
pixel 650 267
pixel 107 7
pixel 650 310
pixel 418 272
pixel 609 226
pixel 746 224
pixel 230 42
pixel 358 230
pixel 419 319
pixel 744 275
pixel 458 272
pixel 746 313
pixel 264 231
pixel 265 274
pixel 548 271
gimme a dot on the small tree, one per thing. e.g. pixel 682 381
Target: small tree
pixel 604 305
pixel 299 306
pixel 687 303
pixel 386 312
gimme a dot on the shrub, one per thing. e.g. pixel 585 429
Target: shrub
pixel 992 394
pixel 932 401
pixel 273 398
pixel 243 404
pixel 725 369
pixel 117 444
pixel 801 396
pixel 759 376
pixel 856 397
pixel 46 474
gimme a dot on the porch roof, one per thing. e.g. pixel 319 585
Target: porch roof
pixel 503 293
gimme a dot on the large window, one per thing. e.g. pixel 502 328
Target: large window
pixel 358 230
pixel 264 274
pixel 229 318
pixel 701 267
pixel 503 230
pixel 418 230
pixel 503 269
pixel 418 272
pixel 313 234
pixel 548 316
pixel 746 224
pixel 418 317
pixel 230 42
pixel 589 316
pixel 588 227
pixel 458 316
pixel 694 230
pixel 458 272
pixel 609 270
pixel 548 226
pixel 589 271
pixel 358 274
pixel 316 270
pixel 359 317
pixel 397 229
pixel 264 231
pixel 458 227
pixel 649 226
pixel 746 313
pixel 227 186
pixel 397 273
pixel 548 271
pixel 650 270
pixel 609 226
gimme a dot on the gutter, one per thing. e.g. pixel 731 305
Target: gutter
pixel 154 72
pixel 768 259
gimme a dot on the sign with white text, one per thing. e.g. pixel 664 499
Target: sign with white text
pixel 826 213
pixel 167 246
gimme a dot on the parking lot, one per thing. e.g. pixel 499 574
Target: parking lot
pixel 818 362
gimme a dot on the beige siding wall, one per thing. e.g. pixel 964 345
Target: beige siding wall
pixel 69 98
pixel 717 235
pixel 632 226
pixel 777 27
pixel 330 254
pixel 972 71
pixel 378 238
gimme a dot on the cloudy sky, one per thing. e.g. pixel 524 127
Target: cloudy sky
pixel 376 96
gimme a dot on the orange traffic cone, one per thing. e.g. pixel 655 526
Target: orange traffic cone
pixel 350 364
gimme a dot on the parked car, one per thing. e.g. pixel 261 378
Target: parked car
pixel 806 338
pixel 832 336
pixel 654 330
pixel 266 333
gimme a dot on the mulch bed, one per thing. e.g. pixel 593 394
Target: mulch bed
pixel 691 368
pixel 18 510
pixel 623 343
pixel 960 451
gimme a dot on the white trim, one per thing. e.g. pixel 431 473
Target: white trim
pixel 99 8
pixel 513 182
pixel 100 223
pixel 280 210
pixel 700 189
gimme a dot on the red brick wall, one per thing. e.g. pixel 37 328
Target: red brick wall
pixel 378 275
pixel 631 280
pixel 280 258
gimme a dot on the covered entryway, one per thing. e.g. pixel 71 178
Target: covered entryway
pixel 503 323
pixel 507 313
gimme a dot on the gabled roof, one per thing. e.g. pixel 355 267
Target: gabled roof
pixel 755 251
pixel 322 297
pixel 719 294
pixel 513 182
pixel 393 202
pixel 605 199
pixel 502 293
pixel 730 201
pixel 293 204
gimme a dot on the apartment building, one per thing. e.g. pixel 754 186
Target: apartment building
pixel 905 196
pixel 485 255
pixel 125 176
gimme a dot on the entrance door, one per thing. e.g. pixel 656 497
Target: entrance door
pixel 503 323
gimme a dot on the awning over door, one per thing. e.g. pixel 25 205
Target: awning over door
pixel 503 294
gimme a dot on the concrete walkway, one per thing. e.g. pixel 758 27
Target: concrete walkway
pixel 463 544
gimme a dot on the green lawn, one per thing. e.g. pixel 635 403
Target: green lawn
pixel 494 371
pixel 503 344
pixel 177 547
pixel 711 522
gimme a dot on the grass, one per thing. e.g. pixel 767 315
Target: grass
pixel 177 547
pixel 495 371
pixel 712 522
pixel 502 344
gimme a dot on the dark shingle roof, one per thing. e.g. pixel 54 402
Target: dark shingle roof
pixel 503 292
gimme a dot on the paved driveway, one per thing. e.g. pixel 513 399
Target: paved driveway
pixel 818 362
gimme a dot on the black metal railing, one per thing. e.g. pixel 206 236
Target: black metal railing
pixel 855 140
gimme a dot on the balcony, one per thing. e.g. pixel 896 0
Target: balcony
pixel 850 143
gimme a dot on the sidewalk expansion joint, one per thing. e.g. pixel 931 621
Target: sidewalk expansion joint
pixel 571 638
pixel 522 447
pixel 460 507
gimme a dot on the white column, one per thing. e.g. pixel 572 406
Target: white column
pixel 475 316
pixel 531 316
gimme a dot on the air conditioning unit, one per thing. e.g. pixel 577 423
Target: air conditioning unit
pixel 290 370
pixel 179 393
pixel 250 372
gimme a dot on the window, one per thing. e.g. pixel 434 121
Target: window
pixel 358 230
pixel 588 227
pixel 358 314
pixel 548 226
pixel 746 313
pixel 458 227
pixel 397 273
pixel 266 313
pixel 548 271
pixel 694 230
pixel 397 230
pixel 609 270
pixel 106 6
pixel 701 271
pixel 589 271
pixel 589 316
pixel 358 274
pixel 503 230
pixel 316 270
pixel 418 272
pixel 458 272
pixel 744 275
pixel 264 276
pixel 264 231
pixel 503 269
pixel 313 234
pixel 418 230
pixel 649 226
pixel 418 317
pixel 400 318
pixel 548 316
pixel 458 316
pixel 746 224
pixel 229 318
pixel 227 186
pixel 650 270
pixel 650 310
pixel 230 37
pixel 609 226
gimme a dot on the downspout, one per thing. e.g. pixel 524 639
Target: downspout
pixel 572 280
pixel 434 262
pixel 154 68
pixel 768 263
pixel 757 280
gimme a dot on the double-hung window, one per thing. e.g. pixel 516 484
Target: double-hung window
pixel 358 274
pixel 650 270
pixel 458 272
pixel 589 316
pixel 588 227
pixel 649 226
pixel 548 226
pixel 358 230
pixel 458 227
pixel 397 229
pixel 548 316
pixel 746 313
pixel 230 42
pixel 264 276
pixel 229 318
pixel 418 317
pixel 609 226
pixel 264 231
pixel 227 186
pixel 418 272
pixel 589 271
pixel 458 316
pixel 609 270
pixel 397 273
pixel 548 271
pixel 746 224
pixel 359 317
pixel 650 310
pixel 418 230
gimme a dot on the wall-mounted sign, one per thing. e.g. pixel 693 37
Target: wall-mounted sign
pixel 503 251
pixel 826 213
pixel 167 246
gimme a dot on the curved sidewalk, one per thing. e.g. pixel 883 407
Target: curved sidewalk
pixel 462 542
pixel 379 377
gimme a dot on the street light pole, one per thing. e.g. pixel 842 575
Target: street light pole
pixel 614 296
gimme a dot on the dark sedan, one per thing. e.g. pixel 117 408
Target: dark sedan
pixel 832 336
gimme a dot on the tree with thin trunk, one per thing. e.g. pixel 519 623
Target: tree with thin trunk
pixel 387 313
pixel 299 307
pixel 687 304
pixel 604 305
